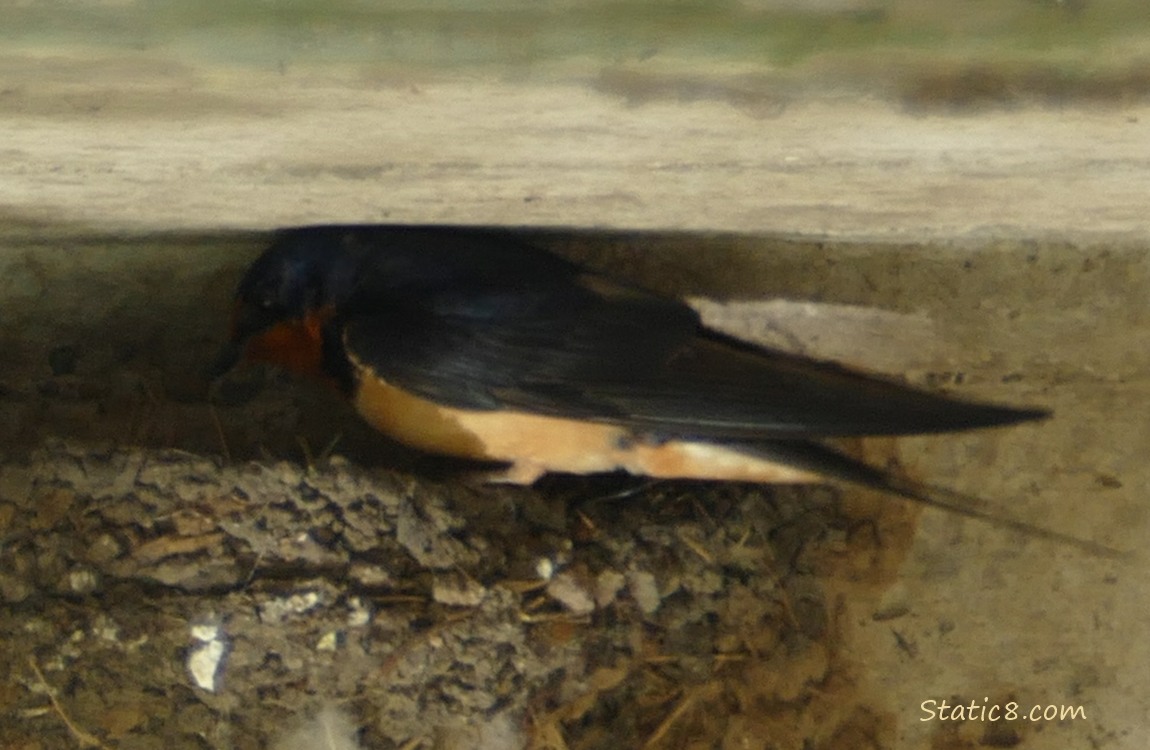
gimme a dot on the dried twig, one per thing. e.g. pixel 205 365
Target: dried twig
pixel 685 704
pixel 220 431
pixel 84 738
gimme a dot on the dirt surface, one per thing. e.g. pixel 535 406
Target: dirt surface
pixel 577 615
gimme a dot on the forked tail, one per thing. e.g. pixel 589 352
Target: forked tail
pixel 833 464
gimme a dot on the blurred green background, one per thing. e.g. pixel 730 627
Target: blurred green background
pixel 969 52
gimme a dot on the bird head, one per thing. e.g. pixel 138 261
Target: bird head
pixel 284 303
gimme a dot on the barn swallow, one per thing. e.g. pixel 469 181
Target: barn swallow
pixel 469 343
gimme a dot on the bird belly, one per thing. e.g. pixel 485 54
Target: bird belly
pixel 536 444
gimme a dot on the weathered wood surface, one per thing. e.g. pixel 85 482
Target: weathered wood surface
pixel 128 144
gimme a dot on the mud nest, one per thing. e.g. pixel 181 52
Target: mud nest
pixel 160 599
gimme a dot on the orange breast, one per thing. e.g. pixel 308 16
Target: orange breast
pixel 536 444
pixel 295 345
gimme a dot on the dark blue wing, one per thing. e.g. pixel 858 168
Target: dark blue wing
pixel 494 325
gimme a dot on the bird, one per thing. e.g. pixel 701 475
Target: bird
pixel 474 344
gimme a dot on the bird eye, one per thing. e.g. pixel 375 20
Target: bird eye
pixel 266 301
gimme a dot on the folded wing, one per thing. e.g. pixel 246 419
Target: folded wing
pixel 579 345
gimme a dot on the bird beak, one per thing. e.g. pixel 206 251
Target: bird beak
pixel 232 352
pixel 227 358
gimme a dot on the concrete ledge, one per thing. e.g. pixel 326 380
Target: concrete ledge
pixel 172 148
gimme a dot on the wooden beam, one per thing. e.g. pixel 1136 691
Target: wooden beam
pixel 131 143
